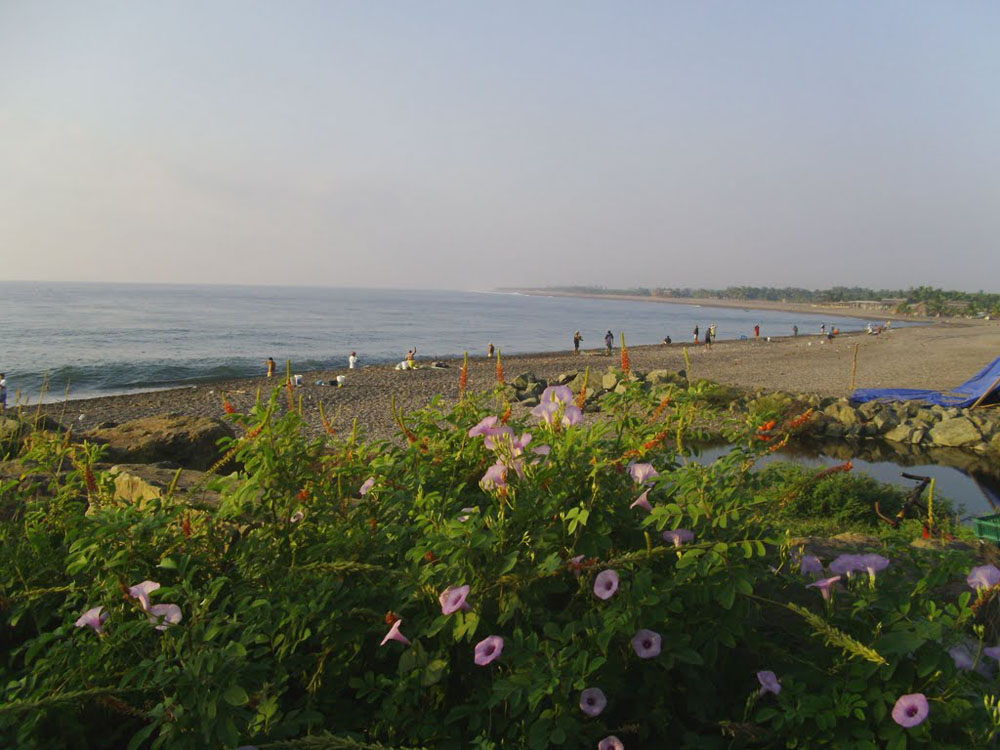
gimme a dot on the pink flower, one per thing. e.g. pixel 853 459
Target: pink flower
pixel 141 591
pixel 483 426
pixel 768 682
pixel 873 563
pixel 164 615
pixel 641 473
pixel 593 701
pixel 453 599
pixel 606 584
pixel 984 577
pixel 297 516
pixel 572 416
pixel 495 477
pixel 824 586
pixel 395 635
pixel 678 536
pixel 488 649
pixel 811 565
pixel 611 743
pixel 646 644
pixel 558 394
pixel 911 710
pixel 366 487
pixel 497 436
pixel 93 618
pixel 846 565
pixel 552 411
pixel 642 502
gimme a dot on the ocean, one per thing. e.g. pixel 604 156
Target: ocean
pixel 85 340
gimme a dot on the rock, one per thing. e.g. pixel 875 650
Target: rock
pixel 918 436
pixel 609 380
pixel 657 377
pixel 566 377
pixel 994 445
pixel 900 434
pixel 138 483
pixel 621 387
pixel 530 401
pixel 869 409
pixel 524 380
pixel 926 416
pixel 190 441
pixel 835 429
pixel 954 432
pixel 883 422
pixel 531 390
pixel 843 413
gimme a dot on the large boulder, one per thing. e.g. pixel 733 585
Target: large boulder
pixel 955 432
pixel 656 377
pixel 842 412
pixel 190 442
pixel 900 434
pixel 139 483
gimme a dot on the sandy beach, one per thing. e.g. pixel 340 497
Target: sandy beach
pixel 939 355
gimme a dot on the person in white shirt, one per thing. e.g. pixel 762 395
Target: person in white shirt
pixel 352 360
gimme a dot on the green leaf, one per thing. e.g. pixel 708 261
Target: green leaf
pixel 235 695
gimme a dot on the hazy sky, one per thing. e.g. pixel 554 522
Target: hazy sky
pixel 471 144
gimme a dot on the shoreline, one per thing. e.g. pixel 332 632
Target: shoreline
pixel 799 307
pixel 937 356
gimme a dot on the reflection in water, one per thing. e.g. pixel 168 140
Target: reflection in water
pixel 971 481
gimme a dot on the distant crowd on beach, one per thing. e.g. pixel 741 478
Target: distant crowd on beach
pixel 704 337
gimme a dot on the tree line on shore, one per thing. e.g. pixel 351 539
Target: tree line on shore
pixel 920 300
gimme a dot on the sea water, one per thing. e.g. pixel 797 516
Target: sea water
pixel 101 339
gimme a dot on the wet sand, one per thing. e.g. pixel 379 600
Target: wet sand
pixel 939 356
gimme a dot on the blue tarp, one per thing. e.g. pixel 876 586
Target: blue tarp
pixel 964 395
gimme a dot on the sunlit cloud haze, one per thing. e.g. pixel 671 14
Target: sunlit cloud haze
pixel 472 145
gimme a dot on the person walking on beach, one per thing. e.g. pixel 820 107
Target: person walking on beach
pixel 708 337
pixel 711 330
pixel 3 393
pixel 609 341
pixel 270 367
pixel 756 331
pixel 489 350
pixel 795 330
pixel 411 357
pixel 352 361
pixel 696 334
pixel 577 338
pixel 822 329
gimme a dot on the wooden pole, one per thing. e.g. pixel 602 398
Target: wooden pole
pixel 854 365
pixel 986 393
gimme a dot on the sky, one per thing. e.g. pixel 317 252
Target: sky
pixel 474 145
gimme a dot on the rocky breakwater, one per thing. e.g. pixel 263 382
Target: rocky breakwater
pixel 912 423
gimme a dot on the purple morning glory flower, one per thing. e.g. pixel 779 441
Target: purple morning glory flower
pixel 488 649
pixel 519 444
pixel 573 415
pixel 642 502
pixel 93 618
pixel 495 477
pixel 366 487
pixel 164 615
pixel 677 537
pixel 611 743
pixel 483 426
pixel 642 473
pixel 593 701
pixel 811 565
pixel 873 563
pixel 606 584
pixel 768 682
pixel 962 658
pixel 646 644
pixel 559 394
pixel 984 577
pixel 141 591
pixel 993 652
pixel 824 586
pixel 550 411
pixel 453 599
pixel 846 565
pixel 395 635
pixel 911 710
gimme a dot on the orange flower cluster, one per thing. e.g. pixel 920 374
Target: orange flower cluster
pixel 659 409
pixel 835 470
pixel 303 495
pixel 390 617
pixel 626 362
pixel 89 480
pixel 801 419
pixel 228 407
pixel 499 368
pixel 506 415
pixel 186 526
pixel 582 396
pixel 291 394
pixel 463 378
pixel 657 439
